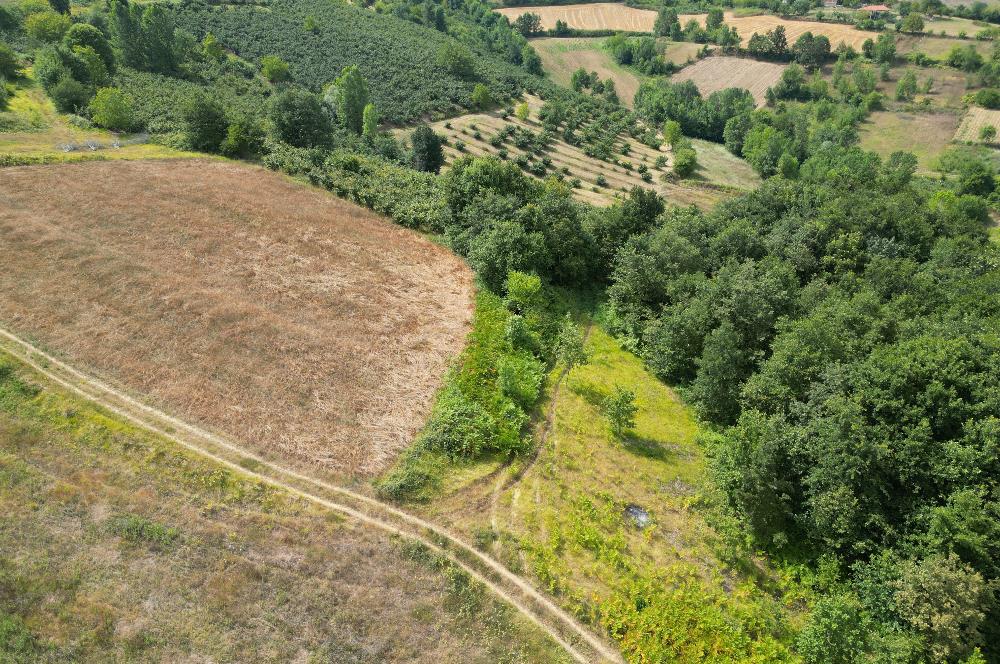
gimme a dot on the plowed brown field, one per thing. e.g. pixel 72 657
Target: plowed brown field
pixel 306 327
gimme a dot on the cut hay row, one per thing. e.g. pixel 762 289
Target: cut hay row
pixel 718 73
pixel 303 326
pixel 611 16
pixel 975 119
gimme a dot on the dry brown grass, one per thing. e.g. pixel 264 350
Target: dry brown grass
pixel 718 73
pixel 299 324
pixel 561 57
pixel 611 16
pixel 975 119
pixel 926 135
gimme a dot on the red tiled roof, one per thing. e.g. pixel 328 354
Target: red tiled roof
pixel 874 8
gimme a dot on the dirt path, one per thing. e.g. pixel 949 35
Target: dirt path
pixel 577 640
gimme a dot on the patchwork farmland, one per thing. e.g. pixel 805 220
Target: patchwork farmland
pixel 720 174
pixel 975 119
pixel 301 325
pixel 718 73
pixel 610 16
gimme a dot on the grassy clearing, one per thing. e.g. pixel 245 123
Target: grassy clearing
pixel 953 26
pixel 118 546
pixel 32 130
pixel 571 518
pixel 679 53
pixel 926 135
pixel 561 57
pixel 937 47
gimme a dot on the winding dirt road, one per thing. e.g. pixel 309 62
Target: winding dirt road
pixel 577 640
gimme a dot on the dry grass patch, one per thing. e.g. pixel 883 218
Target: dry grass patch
pixel 304 326
pixel 926 135
pixel 561 57
pixel 118 547
pixel 937 47
pixel 746 26
pixel 718 73
pixel 975 119
pixel 679 53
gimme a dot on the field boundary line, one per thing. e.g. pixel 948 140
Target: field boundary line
pixel 166 425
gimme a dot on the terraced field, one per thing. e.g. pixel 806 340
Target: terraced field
pixel 719 174
pixel 975 119
pixel 718 73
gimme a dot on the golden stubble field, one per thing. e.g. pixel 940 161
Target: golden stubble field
pixel 718 73
pixel 612 16
pixel 306 327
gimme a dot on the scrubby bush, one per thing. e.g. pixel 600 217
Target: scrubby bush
pixel 70 95
pixel 112 109
pixel 205 123
pixel 274 69
pixel 47 27
pixel 299 120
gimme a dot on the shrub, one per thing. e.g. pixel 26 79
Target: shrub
pixel 685 161
pixel 69 95
pixel 112 109
pixel 84 34
pixel 601 181
pixel 481 98
pixel 274 69
pixel 299 119
pixel 9 65
pixel 459 427
pixel 205 123
pixel 244 138
pixel 47 27
pixel 456 59
pixel 620 409
pixel 427 153
pixel 139 529
pixel 522 112
pixel 988 133
pixel 988 98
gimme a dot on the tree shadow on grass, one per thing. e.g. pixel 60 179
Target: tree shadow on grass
pixel 588 392
pixel 647 447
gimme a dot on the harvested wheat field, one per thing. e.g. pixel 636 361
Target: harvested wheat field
pixel 302 325
pixel 561 57
pixel 718 73
pixel 975 119
pixel 611 16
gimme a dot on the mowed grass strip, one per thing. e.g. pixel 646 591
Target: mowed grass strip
pixel 975 119
pixel 718 73
pixel 306 327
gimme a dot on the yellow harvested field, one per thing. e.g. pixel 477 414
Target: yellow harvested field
pixel 680 53
pixel 595 16
pixel 561 57
pixel 974 121
pixel 718 73
pixel 612 16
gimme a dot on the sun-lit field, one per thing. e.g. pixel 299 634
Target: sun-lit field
pixel 719 173
pixel 718 73
pixel 33 130
pixel 953 26
pixel 938 47
pixel 926 135
pixel 561 57
pixel 975 119
pixel 608 16
pixel 303 326
pixel 679 53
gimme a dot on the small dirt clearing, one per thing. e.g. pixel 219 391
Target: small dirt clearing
pixel 718 73
pixel 974 121
pixel 611 16
pixel 313 330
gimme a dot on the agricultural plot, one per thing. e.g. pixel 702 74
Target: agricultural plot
pixel 307 328
pixel 953 26
pixel 679 53
pixel 600 181
pixel 937 47
pixel 120 546
pixel 926 135
pixel 975 119
pixel 593 16
pixel 607 16
pixel 561 57
pixel 718 73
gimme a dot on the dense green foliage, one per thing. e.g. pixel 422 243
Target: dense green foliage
pixel 398 59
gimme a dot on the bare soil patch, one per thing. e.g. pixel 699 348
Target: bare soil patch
pixel 718 73
pixel 302 325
